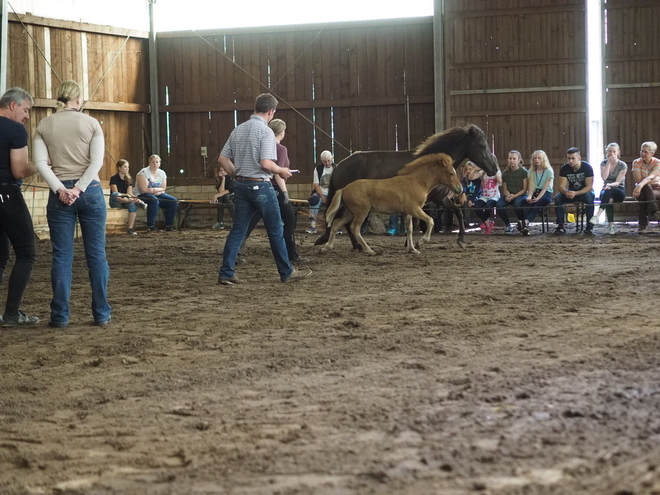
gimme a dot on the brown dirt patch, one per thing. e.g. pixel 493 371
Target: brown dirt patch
pixel 515 366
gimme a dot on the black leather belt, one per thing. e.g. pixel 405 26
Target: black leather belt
pixel 252 179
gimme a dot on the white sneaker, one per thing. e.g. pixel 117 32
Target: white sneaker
pixel 594 220
pixel 611 229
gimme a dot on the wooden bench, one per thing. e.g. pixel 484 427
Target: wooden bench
pixel 186 206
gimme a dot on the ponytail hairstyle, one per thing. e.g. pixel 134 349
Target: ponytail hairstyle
pixel 128 180
pixel 520 158
pixel 66 92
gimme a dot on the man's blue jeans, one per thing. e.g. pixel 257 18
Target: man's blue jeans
pixel 586 198
pixel 252 197
pixel 90 211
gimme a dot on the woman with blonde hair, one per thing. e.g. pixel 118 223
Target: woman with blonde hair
pixel 613 172
pixel 646 171
pixel 540 179
pixel 75 145
pixel 151 185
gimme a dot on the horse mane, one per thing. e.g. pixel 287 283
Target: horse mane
pixel 447 139
pixel 423 161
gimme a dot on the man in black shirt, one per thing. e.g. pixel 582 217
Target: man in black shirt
pixel 15 220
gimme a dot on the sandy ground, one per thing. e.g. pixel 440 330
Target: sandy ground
pixel 520 365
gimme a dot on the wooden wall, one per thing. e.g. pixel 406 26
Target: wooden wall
pixel 632 76
pixel 517 68
pixel 112 71
pixel 368 84
pixel 514 67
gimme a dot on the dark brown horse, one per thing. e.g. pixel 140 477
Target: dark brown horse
pixel 460 143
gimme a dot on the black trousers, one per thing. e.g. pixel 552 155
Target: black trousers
pixel 16 229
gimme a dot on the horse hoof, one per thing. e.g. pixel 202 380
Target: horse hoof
pixel 461 244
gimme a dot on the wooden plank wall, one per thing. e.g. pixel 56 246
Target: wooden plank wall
pixel 517 68
pixel 118 91
pixel 632 76
pixel 370 85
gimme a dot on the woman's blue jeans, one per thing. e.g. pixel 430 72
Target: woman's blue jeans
pixel 517 204
pixel 90 211
pixel 532 211
pixel 164 201
pixel 115 203
pixel 250 198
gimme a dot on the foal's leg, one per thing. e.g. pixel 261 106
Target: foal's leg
pixel 410 244
pixel 450 205
pixel 355 228
pixel 337 224
pixel 421 214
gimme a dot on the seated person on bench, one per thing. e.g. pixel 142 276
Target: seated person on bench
pixel 613 171
pixel 121 194
pixel 576 180
pixel 646 171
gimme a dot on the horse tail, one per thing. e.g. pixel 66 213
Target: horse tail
pixel 334 207
pixel 331 191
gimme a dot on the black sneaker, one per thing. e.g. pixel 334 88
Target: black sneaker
pixel 560 230
pixel 588 231
pixel 153 228
pixel 132 232
pixel 57 324
pixel 525 230
pixel 19 320
pixel 170 228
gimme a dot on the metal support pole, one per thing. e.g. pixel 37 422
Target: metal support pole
pixel 4 47
pixel 153 83
pixel 439 64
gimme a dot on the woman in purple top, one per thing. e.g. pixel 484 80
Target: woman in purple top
pixel 286 209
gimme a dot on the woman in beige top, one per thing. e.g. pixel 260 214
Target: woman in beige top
pixel 72 143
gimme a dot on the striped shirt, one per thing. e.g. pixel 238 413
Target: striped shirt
pixel 248 144
pixel 646 170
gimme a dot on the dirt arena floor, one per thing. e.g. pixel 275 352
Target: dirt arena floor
pixel 520 365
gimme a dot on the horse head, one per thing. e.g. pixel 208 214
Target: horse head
pixel 461 143
pixel 448 174
pixel 477 150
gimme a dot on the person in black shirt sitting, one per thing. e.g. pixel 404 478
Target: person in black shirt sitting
pixel 121 193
